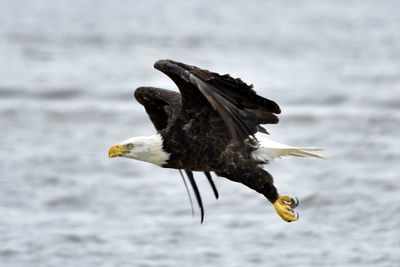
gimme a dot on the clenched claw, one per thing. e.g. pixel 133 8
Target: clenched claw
pixel 284 206
pixel 294 202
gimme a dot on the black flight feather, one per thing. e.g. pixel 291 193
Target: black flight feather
pixel 196 193
pixel 210 180
pixel 187 191
pixel 237 128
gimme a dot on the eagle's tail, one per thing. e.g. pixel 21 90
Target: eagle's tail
pixel 269 149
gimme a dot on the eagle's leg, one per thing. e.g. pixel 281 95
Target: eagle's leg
pixel 261 181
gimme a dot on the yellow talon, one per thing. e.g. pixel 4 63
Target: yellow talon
pixel 284 206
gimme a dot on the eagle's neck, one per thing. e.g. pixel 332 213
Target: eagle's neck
pixel 149 149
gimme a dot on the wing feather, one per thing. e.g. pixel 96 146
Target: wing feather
pixel 229 114
pixel 210 180
pixel 237 104
pixel 160 104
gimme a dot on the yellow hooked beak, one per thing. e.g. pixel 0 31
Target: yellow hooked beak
pixel 117 151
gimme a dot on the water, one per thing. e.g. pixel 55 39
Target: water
pixel 67 74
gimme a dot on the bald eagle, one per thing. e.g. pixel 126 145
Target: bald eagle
pixel 210 126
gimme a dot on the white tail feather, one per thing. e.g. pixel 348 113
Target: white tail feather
pixel 269 149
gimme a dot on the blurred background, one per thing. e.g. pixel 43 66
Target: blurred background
pixel 67 75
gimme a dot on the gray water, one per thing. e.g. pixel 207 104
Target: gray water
pixel 67 74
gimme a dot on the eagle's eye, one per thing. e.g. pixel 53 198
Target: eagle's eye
pixel 130 146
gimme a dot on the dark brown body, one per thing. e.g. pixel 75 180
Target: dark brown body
pixel 187 141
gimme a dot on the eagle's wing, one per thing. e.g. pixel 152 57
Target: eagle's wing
pixel 161 105
pixel 237 104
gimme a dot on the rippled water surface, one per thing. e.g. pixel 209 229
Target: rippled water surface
pixel 67 74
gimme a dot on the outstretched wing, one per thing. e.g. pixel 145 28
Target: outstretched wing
pixel 237 104
pixel 160 104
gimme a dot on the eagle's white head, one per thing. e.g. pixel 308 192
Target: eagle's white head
pixel 144 148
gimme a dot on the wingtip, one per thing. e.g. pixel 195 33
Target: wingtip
pixel 187 191
pixel 160 63
pixel 213 186
pixel 196 193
